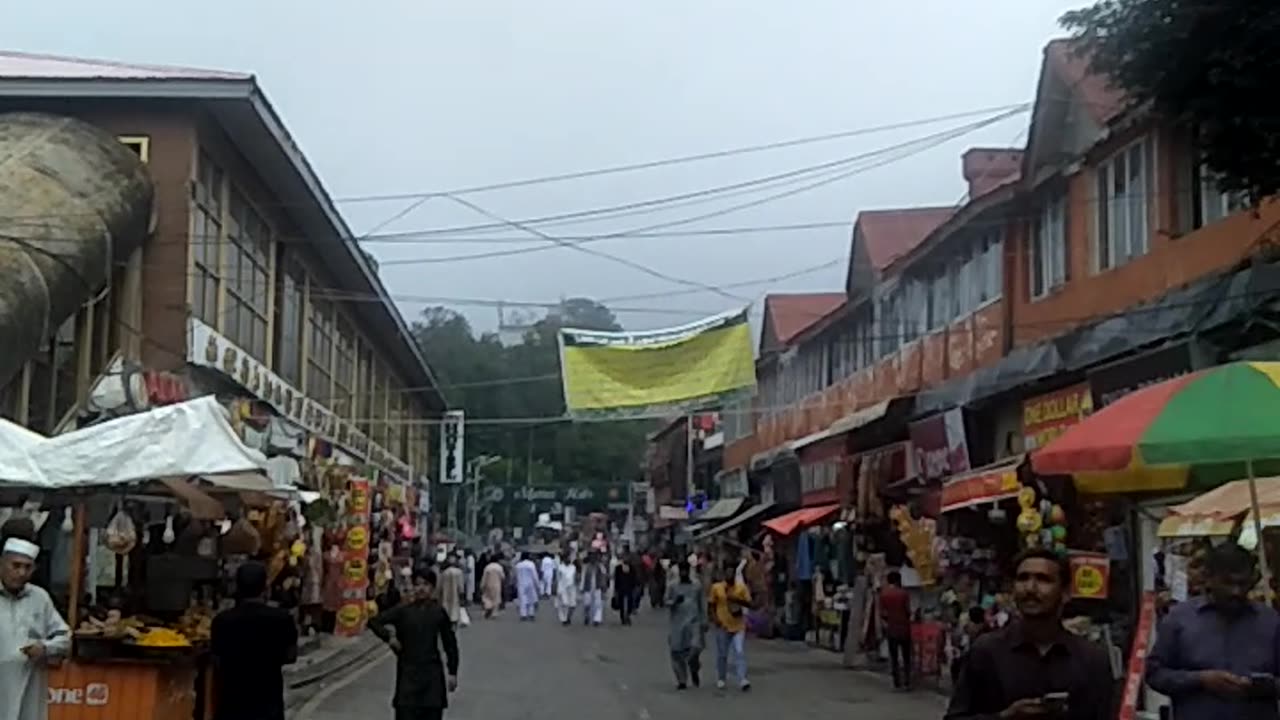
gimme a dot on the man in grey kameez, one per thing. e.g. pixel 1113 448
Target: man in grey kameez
pixel 687 605
pixel 31 632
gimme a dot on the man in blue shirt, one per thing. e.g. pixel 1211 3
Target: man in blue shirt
pixel 1218 655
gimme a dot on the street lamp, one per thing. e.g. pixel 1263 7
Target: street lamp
pixel 476 466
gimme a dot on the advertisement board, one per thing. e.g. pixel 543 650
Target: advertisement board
pixel 354 611
pixel 1047 416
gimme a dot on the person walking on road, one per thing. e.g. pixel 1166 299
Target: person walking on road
pixel 895 612
pixel 491 585
pixel 729 599
pixel 1033 667
pixel 251 643
pixel 416 632
pixel 566 586
pixel 452 581
pixel 528 587
pixel 687 627
pixel 548 572
pixel 1215 655
pixel 624 589
pixel 468 577
pixel 593 585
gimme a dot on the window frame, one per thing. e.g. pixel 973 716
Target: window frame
pixel 1046 246
pixel 1109 202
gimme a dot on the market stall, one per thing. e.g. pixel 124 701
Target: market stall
pixel 135 518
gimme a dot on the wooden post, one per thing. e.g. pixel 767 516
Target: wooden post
pixel 79 535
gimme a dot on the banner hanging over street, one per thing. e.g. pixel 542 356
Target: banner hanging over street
pixel 630 374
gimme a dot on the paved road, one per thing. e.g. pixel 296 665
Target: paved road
pixel 542 671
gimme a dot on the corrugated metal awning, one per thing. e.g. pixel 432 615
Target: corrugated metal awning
pixel 722 509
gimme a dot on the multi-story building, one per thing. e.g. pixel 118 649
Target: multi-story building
pixel 1099 242
pixel 249 267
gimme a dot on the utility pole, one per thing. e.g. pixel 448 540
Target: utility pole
pixel 688 458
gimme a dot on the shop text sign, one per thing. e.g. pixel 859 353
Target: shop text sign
pixel 92 694
pixel 938 445
pixel 1090 575
pixel 987 487
pixel 1048 416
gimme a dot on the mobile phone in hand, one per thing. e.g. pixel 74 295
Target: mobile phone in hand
pixel 1055 702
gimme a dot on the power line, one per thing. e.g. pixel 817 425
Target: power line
pixel 651 164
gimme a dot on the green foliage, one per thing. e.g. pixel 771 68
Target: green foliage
pixel 1211 64
pixel 490 380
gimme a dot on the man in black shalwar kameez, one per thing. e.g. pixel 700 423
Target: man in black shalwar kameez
pixel 416 631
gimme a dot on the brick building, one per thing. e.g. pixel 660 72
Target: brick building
pixel 249 268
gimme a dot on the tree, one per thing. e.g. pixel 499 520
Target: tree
pixel 522 381
pixel 1209 64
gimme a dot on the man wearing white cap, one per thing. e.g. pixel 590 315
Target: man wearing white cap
pixel 31 632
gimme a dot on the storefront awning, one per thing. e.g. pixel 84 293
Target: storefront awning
pixel 992 483
pixel 792 521
pixel 722 509
pixel 1216 512
pixel 752 512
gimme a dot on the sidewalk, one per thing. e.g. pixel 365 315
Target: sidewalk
pixel 322 660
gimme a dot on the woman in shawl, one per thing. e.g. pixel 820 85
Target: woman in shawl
pixel 688 613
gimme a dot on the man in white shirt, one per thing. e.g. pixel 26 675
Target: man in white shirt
pixel 31 632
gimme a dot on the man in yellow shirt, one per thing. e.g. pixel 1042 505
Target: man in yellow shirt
pixel 729 600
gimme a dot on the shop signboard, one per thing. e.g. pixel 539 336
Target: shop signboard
pixel 926 642
pixel 600 495
pixel 938 445
pixel 1090 575
pixel 353 614
pixel 1047 416
pixel 208 348
pixel 1115 380
pixel 1136 670
pixel 452 433
pixel 980 487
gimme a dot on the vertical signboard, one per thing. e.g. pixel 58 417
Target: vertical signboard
pixel 452 430
pixel 353 614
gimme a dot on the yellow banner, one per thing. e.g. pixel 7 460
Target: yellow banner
pixel 656 371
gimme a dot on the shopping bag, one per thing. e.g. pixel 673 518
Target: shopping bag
pixel 464 617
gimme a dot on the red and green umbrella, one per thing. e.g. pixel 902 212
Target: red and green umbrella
pixel 1201 429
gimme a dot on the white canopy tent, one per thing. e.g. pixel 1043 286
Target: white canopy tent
pixel 193 438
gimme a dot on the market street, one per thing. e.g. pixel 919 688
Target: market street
pixel 542 671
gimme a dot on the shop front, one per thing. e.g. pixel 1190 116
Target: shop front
pixel 142 521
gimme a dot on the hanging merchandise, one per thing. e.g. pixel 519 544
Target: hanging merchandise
pixel 917 534
pixel 67 523
pixel 169 535
pixel 242 538
pixel 122 534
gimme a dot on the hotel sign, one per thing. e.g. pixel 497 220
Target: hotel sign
pixel 209 348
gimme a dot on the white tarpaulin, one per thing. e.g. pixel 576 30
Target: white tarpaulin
pixel 173 441
pixel 16 464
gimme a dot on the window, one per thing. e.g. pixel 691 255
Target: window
pixel 1123 195
pixel 291 322
pixel 139 144
pixel 993 265
pixel 940 293
pixel 1048 256
pixel 344 369
pixel 206 239
pixel 245 274
pixel 1215 204
pixel 320 352
pixel 365 390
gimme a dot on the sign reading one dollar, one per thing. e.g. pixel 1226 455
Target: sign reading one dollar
pixel 650 372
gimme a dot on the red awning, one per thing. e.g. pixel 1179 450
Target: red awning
pixel 792 521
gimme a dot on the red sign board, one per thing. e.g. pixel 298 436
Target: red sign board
pixel 1090 575
pixel 1138 658
pixel 964 492
pixel 1048 416
pixel 926 644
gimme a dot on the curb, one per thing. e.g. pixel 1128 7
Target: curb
pixel 338 662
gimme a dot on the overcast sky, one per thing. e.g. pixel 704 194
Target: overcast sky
pixel 390 97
